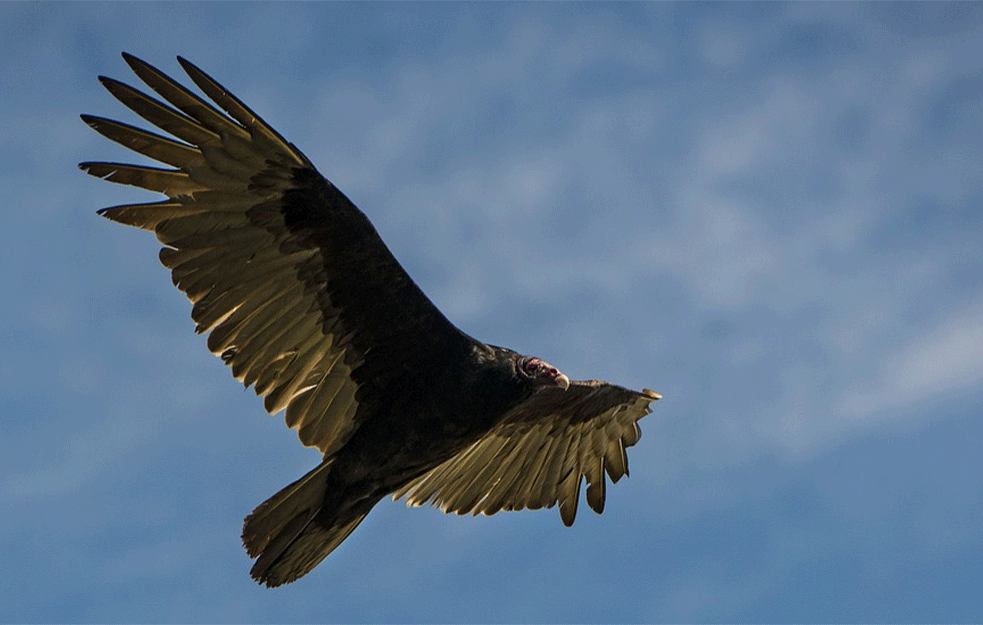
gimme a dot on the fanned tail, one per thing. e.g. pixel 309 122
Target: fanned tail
pixel 288 536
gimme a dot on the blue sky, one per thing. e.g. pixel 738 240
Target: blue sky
pixel 770 213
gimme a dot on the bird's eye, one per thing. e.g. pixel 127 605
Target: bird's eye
pixel 531 366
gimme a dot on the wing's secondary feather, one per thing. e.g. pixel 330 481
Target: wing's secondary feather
pixel 540 453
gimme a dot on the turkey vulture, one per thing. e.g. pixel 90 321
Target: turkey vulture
pixel 306 304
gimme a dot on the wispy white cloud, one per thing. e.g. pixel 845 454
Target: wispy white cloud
pixel 943 358
pixel 770 220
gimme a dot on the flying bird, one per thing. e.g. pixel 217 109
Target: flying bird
pixel 302 299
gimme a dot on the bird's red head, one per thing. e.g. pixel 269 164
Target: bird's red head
pixel 541 372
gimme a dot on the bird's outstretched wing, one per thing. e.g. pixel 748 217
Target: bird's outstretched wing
pixel 298 292
pixel 540 453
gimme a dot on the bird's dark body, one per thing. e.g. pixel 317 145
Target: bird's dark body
pixel 302 299
pixel 417 430
pixel 412 436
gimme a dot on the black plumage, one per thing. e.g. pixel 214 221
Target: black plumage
pixel 306 304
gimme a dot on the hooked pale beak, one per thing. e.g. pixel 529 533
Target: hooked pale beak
pixel 562 381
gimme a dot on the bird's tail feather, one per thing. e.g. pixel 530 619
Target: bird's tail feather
pixel 286 534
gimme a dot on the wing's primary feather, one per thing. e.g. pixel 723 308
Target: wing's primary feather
pixel 297 290
pixel 540 453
